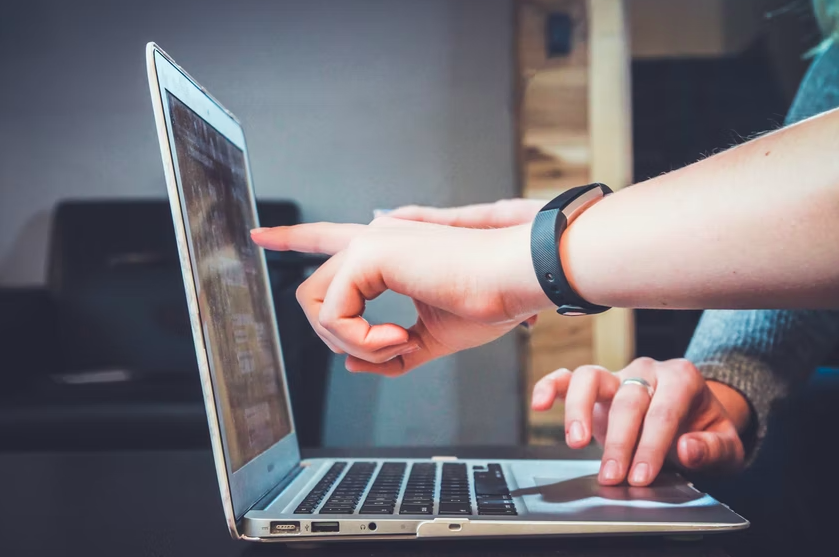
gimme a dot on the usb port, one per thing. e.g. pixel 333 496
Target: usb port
pixel 325 527
pixel 285 527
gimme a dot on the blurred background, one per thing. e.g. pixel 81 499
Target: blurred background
pixel 348 106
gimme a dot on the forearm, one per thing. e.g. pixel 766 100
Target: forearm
pixel 754 227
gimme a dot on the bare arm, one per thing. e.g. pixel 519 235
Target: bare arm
pixel 754 227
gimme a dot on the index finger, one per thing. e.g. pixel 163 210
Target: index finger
pixel 501 214
pixel 323 237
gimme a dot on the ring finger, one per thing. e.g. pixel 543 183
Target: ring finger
pixel 626 417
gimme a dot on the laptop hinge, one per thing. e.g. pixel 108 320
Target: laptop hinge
pixel 275 491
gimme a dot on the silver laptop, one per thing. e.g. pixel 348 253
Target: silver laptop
pixel 267 491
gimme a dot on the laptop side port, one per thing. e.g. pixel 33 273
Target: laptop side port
pixel 325 527
pixel 285 528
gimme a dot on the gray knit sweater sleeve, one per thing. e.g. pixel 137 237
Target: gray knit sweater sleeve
pixel 763 354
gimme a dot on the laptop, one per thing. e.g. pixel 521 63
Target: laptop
pixel 268 492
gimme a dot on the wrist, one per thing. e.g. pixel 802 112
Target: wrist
pixel 735 404
pixel 522 293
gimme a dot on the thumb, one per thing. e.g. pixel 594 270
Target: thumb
pixel 703 450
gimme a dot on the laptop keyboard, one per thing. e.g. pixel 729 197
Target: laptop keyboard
pixel 313 499
pixel 346 496
pixel 419 492
pixel 385 490
pixel 491 493
pixel 455 495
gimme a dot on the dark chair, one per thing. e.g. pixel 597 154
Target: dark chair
pixel 103 357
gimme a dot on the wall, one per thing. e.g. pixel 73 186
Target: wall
pixel 349 105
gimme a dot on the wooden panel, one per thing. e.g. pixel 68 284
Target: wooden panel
pixel 554 101
pixel 563 106
pixel 610 129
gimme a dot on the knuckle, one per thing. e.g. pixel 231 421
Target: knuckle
pixel 357 245
pixel 688 374
pixel 587 372
pixel 327 322
pixel 683 367
pixel 364 249
pixel 644 362
pixel 556 374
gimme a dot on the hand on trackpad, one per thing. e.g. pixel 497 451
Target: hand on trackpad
pixel 666 489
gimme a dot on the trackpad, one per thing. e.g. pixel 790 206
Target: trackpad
pixel 570 488
pixel 666 489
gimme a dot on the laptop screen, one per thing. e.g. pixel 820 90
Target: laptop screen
pixel 230 277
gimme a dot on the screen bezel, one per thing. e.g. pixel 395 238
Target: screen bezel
pixel 244 487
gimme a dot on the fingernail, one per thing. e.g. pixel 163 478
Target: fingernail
pixel 640 473
pixel 611 471
pixel 258 230
pixel 575 433
pixel 540 397
pixel 696 451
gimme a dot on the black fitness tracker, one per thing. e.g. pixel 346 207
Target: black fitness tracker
pixel 547 229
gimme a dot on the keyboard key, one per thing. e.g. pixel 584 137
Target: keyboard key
pixel 490 489
pixel 455 508
pixel 506 507
pixel 416 509
pixel 376 510
pixel 378 504
pixel 510 512
pixel 455 499
pixel 492 500
pixel 336 510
